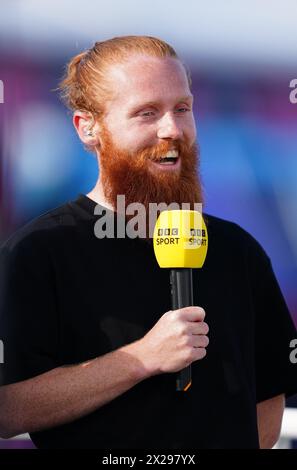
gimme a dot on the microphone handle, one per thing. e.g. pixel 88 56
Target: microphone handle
pixel 182 296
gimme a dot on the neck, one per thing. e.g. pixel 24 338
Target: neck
pixel 97 195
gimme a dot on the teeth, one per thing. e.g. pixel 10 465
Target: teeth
pixel 171 154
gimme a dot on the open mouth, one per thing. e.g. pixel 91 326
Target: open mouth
pixel 170 160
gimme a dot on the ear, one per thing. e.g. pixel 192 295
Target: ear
pixel 87 129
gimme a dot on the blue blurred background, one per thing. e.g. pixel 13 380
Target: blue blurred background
pixel 242 55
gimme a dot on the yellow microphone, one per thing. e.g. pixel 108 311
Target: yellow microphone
pixel 180 244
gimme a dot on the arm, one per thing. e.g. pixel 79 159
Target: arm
pixel 269 415
pixel 67 393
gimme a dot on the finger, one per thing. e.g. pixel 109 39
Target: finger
pixel 192 313
pixel 200 341
pixel 198 328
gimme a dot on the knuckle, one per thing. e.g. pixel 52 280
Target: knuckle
pixel 202 328
pixel 173 314
pixel 166 315
pixel 202 312
pixel 202 352
pixel 185 341
pixel 182 329
pixel 190 309
pixel 205 341
pixel 183 311
pixel 189 354
pixel 205 328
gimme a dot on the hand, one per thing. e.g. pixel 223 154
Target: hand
pixel 175 341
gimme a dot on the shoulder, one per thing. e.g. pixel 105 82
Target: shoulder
pixel 228 235
pixel 41 231
pixel 217 225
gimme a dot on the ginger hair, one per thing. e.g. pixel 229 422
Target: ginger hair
pixel 85 86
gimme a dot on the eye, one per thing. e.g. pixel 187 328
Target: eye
pixel 147 113
pixel 182 109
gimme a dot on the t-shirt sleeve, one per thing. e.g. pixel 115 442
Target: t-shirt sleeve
pixel 276 373
pixel 28 313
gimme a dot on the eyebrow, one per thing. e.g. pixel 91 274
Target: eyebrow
pixel 147 104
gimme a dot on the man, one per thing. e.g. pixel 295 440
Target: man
pixel 91 345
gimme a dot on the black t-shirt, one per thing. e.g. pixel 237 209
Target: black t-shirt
pixel 67 297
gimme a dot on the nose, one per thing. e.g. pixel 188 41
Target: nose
pixel 168 128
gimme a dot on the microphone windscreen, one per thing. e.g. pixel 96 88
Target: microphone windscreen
pixel 180 239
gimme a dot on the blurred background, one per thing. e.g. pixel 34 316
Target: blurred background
pixel 242 55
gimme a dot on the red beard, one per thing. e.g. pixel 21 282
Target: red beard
pixel 126 173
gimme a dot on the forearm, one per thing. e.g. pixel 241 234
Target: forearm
pixel 269 415
pixel 68 393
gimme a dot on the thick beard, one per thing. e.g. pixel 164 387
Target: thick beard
pixel 126 173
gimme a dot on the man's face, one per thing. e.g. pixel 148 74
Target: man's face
pixel 148 149
pixel 152 104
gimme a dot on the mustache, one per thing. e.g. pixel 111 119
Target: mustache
pixel 157 152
